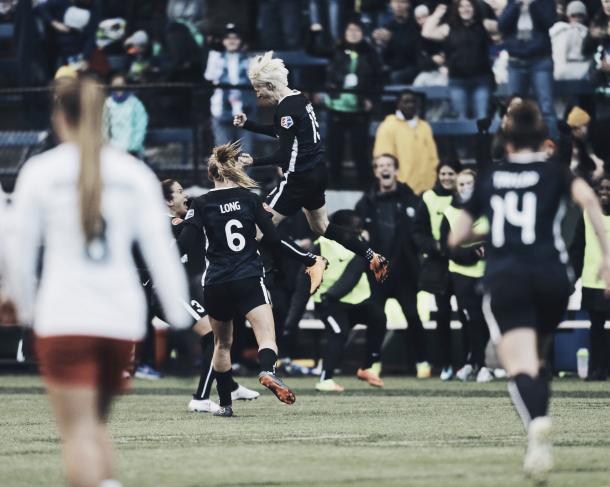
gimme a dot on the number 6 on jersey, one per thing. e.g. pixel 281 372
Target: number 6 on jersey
pixel 235 240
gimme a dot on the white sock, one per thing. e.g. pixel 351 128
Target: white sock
pixel 111 483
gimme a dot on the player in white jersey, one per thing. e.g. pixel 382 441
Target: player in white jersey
pixel 89 204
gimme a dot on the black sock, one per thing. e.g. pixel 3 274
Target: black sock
pixel 350 240
pixel 267 359
pixel 530 396
pixel 224 383
pixel 292 250
pixel 207 373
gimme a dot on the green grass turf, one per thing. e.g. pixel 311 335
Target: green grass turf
pixel 412 433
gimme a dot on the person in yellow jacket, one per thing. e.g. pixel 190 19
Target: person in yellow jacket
pixel 585 256
pixel 343 301
pixel 408 138
pixel 466 269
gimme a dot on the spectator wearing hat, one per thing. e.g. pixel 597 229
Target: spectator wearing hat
pixel 524 25
pixel 591 148
pixel 354 65
pixel 125 118
pixel 408 138
pixel 75 25
pixel 567 40
pixel 467 39
pixel 229 67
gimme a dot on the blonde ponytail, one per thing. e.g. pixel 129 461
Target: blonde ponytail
pixel 224 166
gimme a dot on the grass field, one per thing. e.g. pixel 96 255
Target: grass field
pixel 412 433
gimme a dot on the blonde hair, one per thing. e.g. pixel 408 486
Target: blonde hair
pixel 81 101
pixel 224 166
pixel 468 172
pixel 265 69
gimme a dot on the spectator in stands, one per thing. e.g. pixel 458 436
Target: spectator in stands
pixel 325 16
pixel 396 40
pixel 229 67
pixel 371 12
pixel 467 41
pixel 185 11
pixel 524 25
pixel 567 40
pixel 141 61
pixel 74 24
pixel 388 211
pixel 591 148
pixel 408 138
pixel 280 24
pixel 585 258
pixel 125 118
pixel 354 65
pixel 431 63
pixel 597 45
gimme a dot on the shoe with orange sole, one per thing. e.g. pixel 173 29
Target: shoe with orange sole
pixel 316 273
pixel 380 267
pixel 369 376
pixel 275 385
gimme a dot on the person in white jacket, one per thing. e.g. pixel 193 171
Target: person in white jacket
pixel 88 204
pixel 567 40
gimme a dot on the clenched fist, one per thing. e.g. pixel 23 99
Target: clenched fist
pixel 240 119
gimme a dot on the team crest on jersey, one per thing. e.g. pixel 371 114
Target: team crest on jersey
pixel 189 214
pixel 286 122
pixel 177 221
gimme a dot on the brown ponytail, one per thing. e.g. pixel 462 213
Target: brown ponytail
pixel 224 166
pixel 82 103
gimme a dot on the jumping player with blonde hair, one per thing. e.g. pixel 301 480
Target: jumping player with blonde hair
pixel 301 157
pixel 225 222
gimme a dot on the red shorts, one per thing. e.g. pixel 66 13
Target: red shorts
pixel 84 361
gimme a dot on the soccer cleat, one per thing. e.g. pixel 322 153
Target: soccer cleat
pixel 499 373
pixel 380 267
pixel 369 376
pixel 465 373
pixel 376 368
pixel 275 385
pixel 203 406
pixel 447 373
pixel 424 371
pixel 538 460
pixel 243 394
pixel 224 412
pixel 316 273
pixel 146 372
pixel 485 375
pixel 329 385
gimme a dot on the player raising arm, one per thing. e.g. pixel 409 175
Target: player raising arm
pixel 527 280
pixel 301 157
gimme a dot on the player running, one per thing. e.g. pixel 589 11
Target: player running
pixel 225 221
pixel 89 204
pixel 194 265
pixel 301 157
pixel 527 280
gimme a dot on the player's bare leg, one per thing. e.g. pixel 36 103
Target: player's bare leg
pixel 320 224
pixel 261 319
pixel 221 362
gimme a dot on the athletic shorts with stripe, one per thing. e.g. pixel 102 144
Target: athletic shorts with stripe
pixel 195 306
pixel 234 299
pixel 527 298
pixel 298 190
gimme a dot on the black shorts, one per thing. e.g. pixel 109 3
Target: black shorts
pixel 299 190
pixel 195 306
pixel 535 298
pixel 234 299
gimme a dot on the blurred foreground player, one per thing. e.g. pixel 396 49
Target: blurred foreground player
pixel 227 219
pixel 527 280
pixel 89 204
pixel 301 157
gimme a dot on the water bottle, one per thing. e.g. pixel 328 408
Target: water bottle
pixel 582 362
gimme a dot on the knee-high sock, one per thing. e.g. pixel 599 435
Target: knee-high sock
pixel 350 240
pixel 207 372
pixel 267 359
pixel 530 396
pixel 224 383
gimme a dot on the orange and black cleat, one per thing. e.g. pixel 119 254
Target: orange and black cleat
pixel 380 267
pixel 316 273
pixel 275 385
pixel 370 377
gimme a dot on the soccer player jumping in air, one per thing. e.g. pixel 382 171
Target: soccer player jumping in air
pixel 301 157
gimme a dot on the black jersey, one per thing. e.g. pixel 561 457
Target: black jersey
pixel 525 203
pixel 296 126
pixel 228 218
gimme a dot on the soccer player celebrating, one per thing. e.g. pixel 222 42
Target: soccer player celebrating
pixel 227 220
pixel 301 157
pixel 527 280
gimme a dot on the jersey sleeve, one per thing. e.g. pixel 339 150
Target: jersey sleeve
pixel 194 215
pixel 287 135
